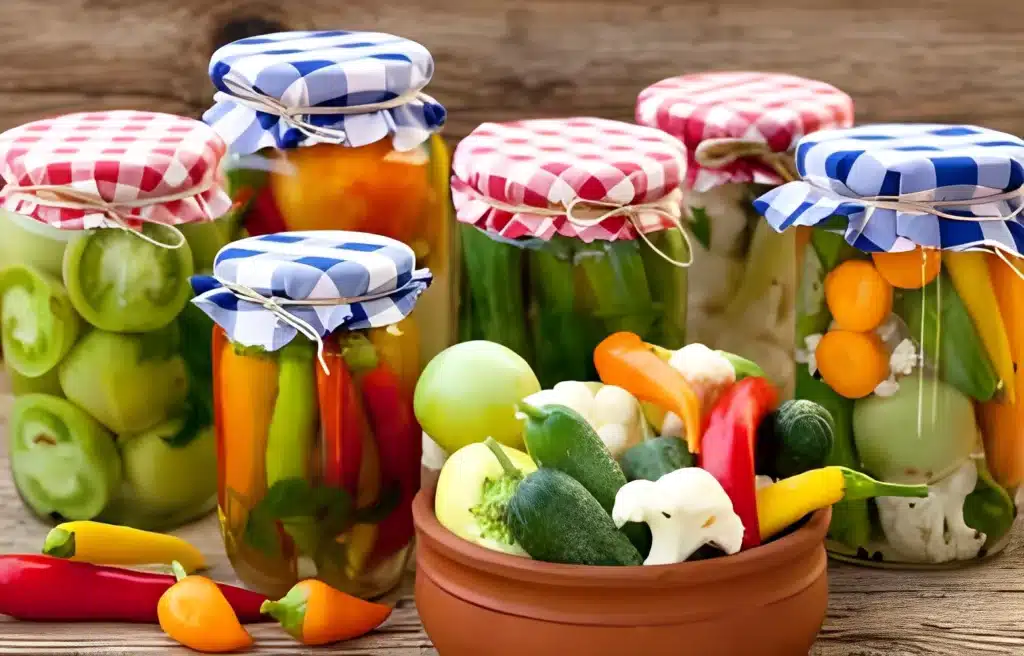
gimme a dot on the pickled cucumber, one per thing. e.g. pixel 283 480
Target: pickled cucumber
pixel 63 460
pixel 121 283
pixel 130 383
pixel 39 324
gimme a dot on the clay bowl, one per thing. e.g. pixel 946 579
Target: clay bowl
pixel 769 601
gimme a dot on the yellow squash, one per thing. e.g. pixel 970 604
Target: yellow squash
pixel 1002 423
pixel 970 274
pixel 107 544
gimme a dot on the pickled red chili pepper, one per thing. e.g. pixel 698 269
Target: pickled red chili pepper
pixel 48 589
pixel 341 420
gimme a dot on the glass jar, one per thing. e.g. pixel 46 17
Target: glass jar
pixel 739 129
pixel 909 317
pixel 109 366
pixel 368 157
pixel 318 456
pixel 551 286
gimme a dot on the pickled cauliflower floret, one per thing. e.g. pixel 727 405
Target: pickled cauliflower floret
pixel 708 373
pixel 933 530
pixel 901 363
pixel 806 354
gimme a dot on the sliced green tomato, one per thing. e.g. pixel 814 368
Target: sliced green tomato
pixel 39 324
pixel 48 383
pixel 130 383
pixel 62 459
pixel 120 282
pixel 167 478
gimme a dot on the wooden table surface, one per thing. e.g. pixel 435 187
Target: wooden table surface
pixel 975 610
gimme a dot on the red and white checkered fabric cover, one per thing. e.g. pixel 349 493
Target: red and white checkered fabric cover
pixel 549 163
pixel 772 108
pixel 121 156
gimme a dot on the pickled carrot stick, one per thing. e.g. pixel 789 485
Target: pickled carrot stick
pixel 246 388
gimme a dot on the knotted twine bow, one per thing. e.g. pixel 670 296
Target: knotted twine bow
pixel 576 206
pixel 276 306
pixel 293 115
pixel 719 153
pixel 117 213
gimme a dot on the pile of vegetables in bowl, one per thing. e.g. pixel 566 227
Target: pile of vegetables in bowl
pixel 671 456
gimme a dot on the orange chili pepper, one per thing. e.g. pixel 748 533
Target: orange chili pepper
pixel 195 612
pixel 626 361
pixel 314 613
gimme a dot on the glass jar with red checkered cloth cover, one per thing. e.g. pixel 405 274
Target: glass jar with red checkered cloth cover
pixel 104 217
pixel 739 129
pixel 568 229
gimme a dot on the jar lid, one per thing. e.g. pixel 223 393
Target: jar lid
pixel 293 89
pixel 265 290
pixel 893 187
pixel 112 169
pixel 763 108
pixel 520 179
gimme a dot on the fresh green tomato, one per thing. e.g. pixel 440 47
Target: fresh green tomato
pixel 39 324
pixel 63 461
pixel 122 283
pixel 129 382
pixel 166 478
pixel 27 241
pixel 468 393
pixel 918 435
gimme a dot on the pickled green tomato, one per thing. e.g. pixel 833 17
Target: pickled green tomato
pixel 63 461
pixel 130 383
pixel 39 324
pixel 24 240
pixel 122 283
pixel 165 478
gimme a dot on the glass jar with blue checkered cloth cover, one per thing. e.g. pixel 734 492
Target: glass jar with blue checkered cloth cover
pixel 910 328
pixel 332 130
pixel 315 361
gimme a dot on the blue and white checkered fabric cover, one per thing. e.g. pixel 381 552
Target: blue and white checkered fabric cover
pixel 310 265
pixel 917 162
pixel 334 68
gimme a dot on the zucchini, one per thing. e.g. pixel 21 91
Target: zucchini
pixel 796 438
pixel 554 519
pixel 652 459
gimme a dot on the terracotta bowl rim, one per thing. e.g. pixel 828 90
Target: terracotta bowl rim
pixel 797 544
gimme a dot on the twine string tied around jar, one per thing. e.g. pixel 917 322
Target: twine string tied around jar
pixel 117 213
pixel 602 210
pixel 719 153
pixel 277 306
pixel 294 115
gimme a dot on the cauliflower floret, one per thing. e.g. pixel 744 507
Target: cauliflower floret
pixel 806 354
pixel 708 373
pixel 933 530
pixel 611 411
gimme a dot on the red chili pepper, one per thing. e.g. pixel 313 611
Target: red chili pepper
pixel 48 589
pixel 399 438
pixel 262 216
pixel 728 443
pixel 342 421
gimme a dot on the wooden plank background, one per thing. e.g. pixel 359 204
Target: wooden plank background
pixel 926 60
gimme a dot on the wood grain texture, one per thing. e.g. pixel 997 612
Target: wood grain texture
pixel 928 60
pixel 975 610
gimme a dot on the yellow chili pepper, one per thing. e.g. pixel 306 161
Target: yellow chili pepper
pixel 107 544
pixel 784 503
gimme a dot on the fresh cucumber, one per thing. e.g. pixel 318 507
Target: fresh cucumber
pixel 652 459
pixel 556 520
pixel 559 438
pixel 796 438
